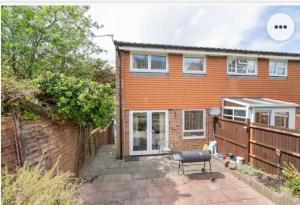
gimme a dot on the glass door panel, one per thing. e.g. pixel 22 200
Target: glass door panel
pixel 158 130
pixel 140 131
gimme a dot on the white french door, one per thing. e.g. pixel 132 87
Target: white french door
pixel 148 131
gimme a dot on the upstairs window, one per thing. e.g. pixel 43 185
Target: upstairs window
pixel 278 68
pixel 241 66
pixel 158 62
pixel 148 63
pixel 140 62
pixel 194 65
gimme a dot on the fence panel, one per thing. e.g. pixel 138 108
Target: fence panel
pixel 266 148
pixel 270 147
pixel 232 137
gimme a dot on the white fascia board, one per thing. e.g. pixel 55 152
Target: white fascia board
pixel 236 102
pixel 283 102
pixel 211 53
pixel 274 106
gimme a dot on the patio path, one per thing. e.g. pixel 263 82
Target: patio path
pixel 154 181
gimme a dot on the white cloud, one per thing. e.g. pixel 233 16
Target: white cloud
pixel 225 26
pixel 218 26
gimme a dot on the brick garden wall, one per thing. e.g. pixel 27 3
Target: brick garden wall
pixel 42 140
pixel 46 140
pixel 8 149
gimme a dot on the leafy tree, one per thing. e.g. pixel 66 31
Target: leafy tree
pixel 54 38
pixel 104 72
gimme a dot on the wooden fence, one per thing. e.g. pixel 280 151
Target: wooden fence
pixel 92 140
pixel 263 147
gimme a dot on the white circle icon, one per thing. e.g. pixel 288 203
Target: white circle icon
pixel 280 27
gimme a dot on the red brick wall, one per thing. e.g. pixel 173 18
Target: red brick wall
pixel 175 133
pixel 176 143
pixel 8 150
pixel 47 140
pixel 42 140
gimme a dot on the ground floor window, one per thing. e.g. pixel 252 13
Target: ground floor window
pixel 263 117
pixel 193 124
pixel 282 119
pixel 234 113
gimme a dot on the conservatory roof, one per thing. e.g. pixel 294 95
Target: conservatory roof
pixel 259 102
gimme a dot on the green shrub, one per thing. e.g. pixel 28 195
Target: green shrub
pixel 85 102
pixel 16 94
pixel 292 178
pixel 31 185
pixel 28 115
pixel 251 170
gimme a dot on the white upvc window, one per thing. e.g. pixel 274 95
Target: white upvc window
pixel 193 124
pixel 194 64
pixel 141 62
pixel 278 68
pixel 282 119
pixel 263 117
pixel 235 113
pixel 241 66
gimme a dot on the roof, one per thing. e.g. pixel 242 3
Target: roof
pixel 122 44
pixel 260 102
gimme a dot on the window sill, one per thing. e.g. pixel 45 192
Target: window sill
pixel 194 138
pixel 186 74
pixel 229 76
pixel 278 77
pixel 139 73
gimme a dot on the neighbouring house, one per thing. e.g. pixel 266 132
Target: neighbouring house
pixel 164 93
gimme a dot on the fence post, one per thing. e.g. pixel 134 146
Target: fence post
pixel 249 137
pixel 279 154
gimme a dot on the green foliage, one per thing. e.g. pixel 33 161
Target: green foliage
pixel 28 115
pixel 85 102
pixel 16 93
pixel 249 170
pixel 292 178
pixel 30 185
pixel 54 38
pixel 23 96
pixel 104 73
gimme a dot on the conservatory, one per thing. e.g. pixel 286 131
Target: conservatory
pixel 260 110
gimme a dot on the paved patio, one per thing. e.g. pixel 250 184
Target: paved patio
pixel 154 181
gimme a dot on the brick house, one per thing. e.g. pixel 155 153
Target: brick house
pixel 165 92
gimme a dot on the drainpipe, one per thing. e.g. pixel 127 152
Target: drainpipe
pixel 120 103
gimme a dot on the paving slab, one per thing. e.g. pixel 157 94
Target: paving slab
pixel 154 180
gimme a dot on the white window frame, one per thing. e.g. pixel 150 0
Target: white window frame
pixel 288 121
pixel 194 72
pixel 278 61
pixel 199 130
pixel 233 109
pixel 241 74
pixel 270 116
pixel 149 69
pixel 149 132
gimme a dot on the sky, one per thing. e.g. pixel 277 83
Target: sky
pixel 225 26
